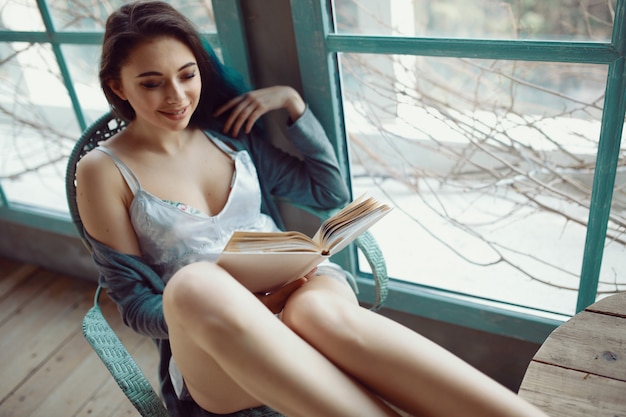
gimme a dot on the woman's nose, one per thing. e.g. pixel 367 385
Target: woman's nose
pixel 175 93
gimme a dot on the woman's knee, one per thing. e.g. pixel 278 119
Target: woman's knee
pixel 186 285
pixel 320 312
pixel 201 293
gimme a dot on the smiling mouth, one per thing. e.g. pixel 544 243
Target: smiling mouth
pixel 175 114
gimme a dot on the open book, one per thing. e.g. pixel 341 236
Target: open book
pixel 265 261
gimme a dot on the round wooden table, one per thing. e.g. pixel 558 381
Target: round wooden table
pixel 580 370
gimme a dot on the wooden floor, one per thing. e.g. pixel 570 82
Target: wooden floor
pixel 47 367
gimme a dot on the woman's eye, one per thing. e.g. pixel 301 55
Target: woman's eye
pixel 189 76
pixel 150 85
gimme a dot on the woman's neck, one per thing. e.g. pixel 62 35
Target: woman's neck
pixel 157 140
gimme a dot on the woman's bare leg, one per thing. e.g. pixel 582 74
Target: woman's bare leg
pixel 235 354
pixel 396 363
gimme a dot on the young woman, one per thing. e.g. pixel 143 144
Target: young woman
pixel 160 199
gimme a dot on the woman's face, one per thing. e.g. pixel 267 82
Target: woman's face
pixel 161 81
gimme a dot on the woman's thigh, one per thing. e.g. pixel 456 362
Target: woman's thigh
pixel 199 292
pixel 205 380
pixel 324 303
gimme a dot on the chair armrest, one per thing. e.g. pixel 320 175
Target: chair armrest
pixel 374 256
pixel 120 364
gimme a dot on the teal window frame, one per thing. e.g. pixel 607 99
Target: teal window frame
pixel 318 48
pixel 230 37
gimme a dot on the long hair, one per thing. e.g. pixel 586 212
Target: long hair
pixel 135 23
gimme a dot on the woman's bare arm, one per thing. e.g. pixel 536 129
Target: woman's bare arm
pixel 103 199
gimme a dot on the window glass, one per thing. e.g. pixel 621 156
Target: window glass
pixel 81 61
pixel 20 15
pixel 37 126
pixel 487 19
pixel 78 15
pixel 489 165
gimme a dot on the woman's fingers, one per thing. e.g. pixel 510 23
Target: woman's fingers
pixel 276 300
pixel 240 108
pixel 246 109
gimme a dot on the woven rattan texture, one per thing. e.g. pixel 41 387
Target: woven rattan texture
pixel 121 365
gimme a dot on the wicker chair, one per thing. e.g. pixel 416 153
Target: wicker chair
pixel 99 333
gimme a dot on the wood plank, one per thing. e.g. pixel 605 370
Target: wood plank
pixel 23 304
pixel 613 305
pixel 86 375
pixel 13 275
pixel 19 288
pixel 40 329
pixel 41 390
pixel 573 393
pixel 591 343
pixel 48 368
pixel 73 393
pixel 6 265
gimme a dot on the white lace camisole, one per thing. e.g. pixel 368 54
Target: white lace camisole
pixel 172 235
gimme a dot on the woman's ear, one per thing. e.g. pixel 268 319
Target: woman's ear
pixel 116 87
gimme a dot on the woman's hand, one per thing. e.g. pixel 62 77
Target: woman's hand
pixel 276 300
pixel 246 109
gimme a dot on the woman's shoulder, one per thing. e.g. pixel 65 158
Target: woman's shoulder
pixel 94 162
pixel 97 170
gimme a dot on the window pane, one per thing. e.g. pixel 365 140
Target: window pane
pixel 20 15
pixel 37 126
pixel 491 19
pixel 79 15
pixel 37 122
pixel 489 165
pixel 199 11
pixel 82 62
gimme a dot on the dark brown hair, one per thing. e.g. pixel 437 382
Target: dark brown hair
pixel 135 23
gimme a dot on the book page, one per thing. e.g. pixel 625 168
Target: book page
pixel 265 261
pixel 341 229
pixel 267 271
pixel 343 236
pixel 270 242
